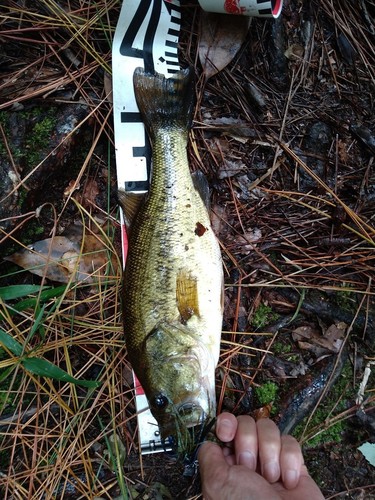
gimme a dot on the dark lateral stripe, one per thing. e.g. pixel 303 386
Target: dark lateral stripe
pixel 173 63
pixel 175 20
pixel 265 12
pixel 263 1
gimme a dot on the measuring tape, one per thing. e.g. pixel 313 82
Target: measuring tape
pixel 252 8
pixel 147 35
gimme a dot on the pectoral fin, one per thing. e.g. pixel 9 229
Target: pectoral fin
pixel 187 296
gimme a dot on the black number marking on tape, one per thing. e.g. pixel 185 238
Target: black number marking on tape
pixel 138 152
pixel 127 48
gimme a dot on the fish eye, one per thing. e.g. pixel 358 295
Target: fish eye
pixel 160 401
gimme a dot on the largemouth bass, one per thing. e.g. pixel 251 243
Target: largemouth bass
pixel 173 275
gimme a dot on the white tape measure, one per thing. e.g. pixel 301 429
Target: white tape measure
pixel 252 8
pixel 146 35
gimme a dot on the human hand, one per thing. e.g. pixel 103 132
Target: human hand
pixel 256 464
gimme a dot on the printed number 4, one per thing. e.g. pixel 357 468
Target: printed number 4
pixel 126 47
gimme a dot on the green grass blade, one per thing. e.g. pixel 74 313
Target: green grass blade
pixel 44 368
pixel 10 343
pixel 43 297
pixel 17 291
pixel 37 325
pixel 4 374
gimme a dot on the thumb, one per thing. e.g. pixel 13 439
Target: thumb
pixel 212 464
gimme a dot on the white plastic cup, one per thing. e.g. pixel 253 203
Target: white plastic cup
pixel 252 8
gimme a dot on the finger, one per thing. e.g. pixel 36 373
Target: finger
pixel 291 461
pixel 226 427
pixel 306 488
pixel 246 442
pixel 210 456
pixel 213 467
pixel 269 445
pixel 308 485
pixel 228 453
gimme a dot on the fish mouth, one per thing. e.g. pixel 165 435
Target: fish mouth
pixel 188 415
pixel 192 414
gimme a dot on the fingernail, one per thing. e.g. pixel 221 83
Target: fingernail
pixel 225 430
pixel 290 478
pixel 271 471
pixel 247 458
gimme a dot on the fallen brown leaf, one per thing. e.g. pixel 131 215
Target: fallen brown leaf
pixel 263 412
pixel 311 339
pixel 221 37
pixel 62 259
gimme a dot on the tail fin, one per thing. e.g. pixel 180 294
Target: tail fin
pixel 165 103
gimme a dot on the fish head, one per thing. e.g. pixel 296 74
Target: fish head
pixel 180 381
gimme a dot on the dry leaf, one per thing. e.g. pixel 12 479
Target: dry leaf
pixel 311 339
pixel 221 37
pixel 62 259
pixel 342 151
pixel 231 309
pixel 108 86
pixel 335 334
pixel 263 412
pixel 89 193
pixel 44 258
pixel 294 52
pixel 300 369
pixel 232 127
pixel 71 187
pixel 218 218
pixel 230 168
pixel 245 241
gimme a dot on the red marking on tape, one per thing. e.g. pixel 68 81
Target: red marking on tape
pixel 233 7
pixel 276 7
pixel 124 238
pixel 138 388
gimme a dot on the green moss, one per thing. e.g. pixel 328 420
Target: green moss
pixel 39 138
pixel 281 347
pixel 22 195
pixel 262 316
pixel 346 298
pixel 4 123
pixel 332 434
pixel 293 358
pixel 340 394
pixel 266 393
pixel 40 124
